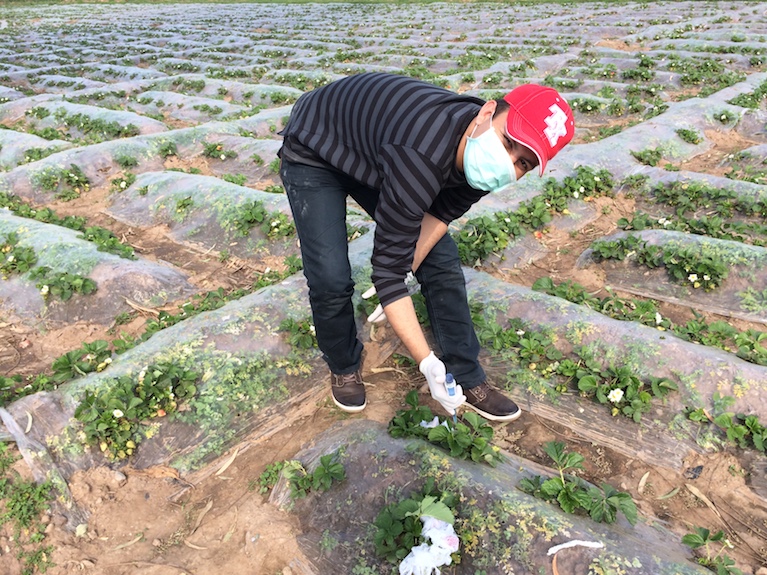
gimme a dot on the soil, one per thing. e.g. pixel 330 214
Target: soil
pixel 155 523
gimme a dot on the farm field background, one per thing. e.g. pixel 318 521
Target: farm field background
pixel 156 349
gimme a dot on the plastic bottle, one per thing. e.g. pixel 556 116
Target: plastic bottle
pixel 450 384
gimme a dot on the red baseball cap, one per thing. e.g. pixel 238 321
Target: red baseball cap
pixel 540 119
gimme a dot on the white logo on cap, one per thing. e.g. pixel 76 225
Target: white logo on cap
pixel 556 125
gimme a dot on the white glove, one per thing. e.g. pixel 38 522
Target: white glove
pixel 434 371
pixel 378 314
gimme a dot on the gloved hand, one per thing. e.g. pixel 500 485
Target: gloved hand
pixel 434 371
pixel 378 314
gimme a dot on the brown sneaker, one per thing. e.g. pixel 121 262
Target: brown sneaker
pixel 348 391
pixel 491 404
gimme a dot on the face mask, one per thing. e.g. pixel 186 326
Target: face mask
pixel 486 163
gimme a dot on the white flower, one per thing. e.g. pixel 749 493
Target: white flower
pixel 693 277
pixel 658 318
pixel 575 195
pixel 313 330
pixel 117 413
pixel 141 375
pixel 520 332
pixel 10 259
pixel 615 395
pixel 44 290
pixel 223 156
pixel 596 179
pixel 581 189
pixel 706 277
pixel 123 184
pixel 108 360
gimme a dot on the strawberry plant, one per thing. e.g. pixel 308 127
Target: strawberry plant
pixel 94 356
pixel 469 440
pixel 328 470
pixel 62 285
pixel 15 259
pixel 301 334
pixel 167 149
pixel 216 150
pixel 649 157
pixel 697 267
pixel 115 417
pixel 106 241
pixel 398 525
pixel 572 493
pixel 123 183
pixel 249 215
pixel 689 136
pixel 704 543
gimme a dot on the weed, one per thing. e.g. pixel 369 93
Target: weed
pixel 25 502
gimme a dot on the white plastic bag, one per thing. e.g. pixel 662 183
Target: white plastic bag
pixel 426 559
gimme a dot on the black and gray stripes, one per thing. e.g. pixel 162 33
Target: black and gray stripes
pixel 396 135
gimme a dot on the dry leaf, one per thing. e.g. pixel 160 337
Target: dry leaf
pixel 642 483
pixel 129 543
pixel 697 493
pixel 669 494
pixel 201 515
pixel 193 546
pixel 231 529
pixel 228 462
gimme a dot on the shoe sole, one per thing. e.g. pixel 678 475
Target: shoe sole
pixel 349 408
pixel 491 417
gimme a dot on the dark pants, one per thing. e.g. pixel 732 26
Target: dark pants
pixel 318 200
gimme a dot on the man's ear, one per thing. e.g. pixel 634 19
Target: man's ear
pixel 486 112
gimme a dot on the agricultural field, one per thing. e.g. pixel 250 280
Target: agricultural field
pixel 164 407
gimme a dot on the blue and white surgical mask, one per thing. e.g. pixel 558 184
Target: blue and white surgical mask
pixel 486 162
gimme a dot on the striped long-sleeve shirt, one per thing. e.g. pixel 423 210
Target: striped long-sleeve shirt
pixel 396 135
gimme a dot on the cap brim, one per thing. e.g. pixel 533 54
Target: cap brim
pixel 524 142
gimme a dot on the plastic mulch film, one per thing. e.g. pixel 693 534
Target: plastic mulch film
pixel 98 164
pixel 700 371
pixel 250 383
pixel 8 94
pixel 184 107
pixel 14 147
pixel 746 263
pixel 143 124
pixel 248 380
pixel 144 282
pixel 531 529
pixel 211 218
pixel 252 94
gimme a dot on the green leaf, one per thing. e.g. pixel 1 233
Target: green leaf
pixel 438 434
pixel 552 486
pixel 437 509
pixel 588 384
